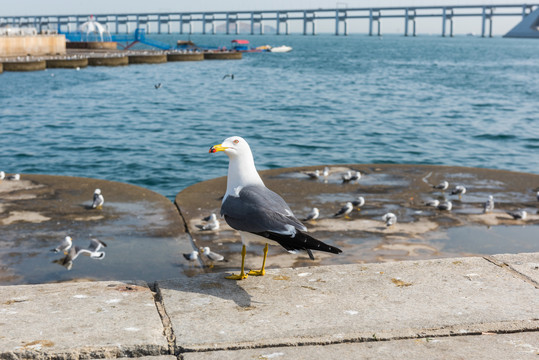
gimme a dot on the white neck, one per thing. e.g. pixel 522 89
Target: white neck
pixel 241 172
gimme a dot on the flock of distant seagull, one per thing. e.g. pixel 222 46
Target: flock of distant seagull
pixel 66 247
pixel 211 223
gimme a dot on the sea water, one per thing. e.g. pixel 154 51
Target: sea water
pixel 357 99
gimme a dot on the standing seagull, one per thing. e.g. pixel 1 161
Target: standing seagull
pixel 258 213
pixel 359 202
pixel 390 219
pixel 442 186
pixel 345 210
pixel 446 205
pixel 459 190
pixel 3 176
pixel 213 256
pixel 99 200
pixel 313 215
pixel 489 205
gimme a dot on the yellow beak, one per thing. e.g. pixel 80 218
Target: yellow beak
pixel 218 147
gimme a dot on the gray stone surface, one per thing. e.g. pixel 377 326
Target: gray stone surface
pixel 89 319
pixel 321 305
pixel 526 264
pixel 489 346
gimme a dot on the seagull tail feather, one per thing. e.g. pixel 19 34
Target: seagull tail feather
pixel 301 241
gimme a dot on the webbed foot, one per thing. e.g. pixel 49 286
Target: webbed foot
pixel 241 276
pixel 261 272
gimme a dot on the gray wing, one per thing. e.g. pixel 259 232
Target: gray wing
pixel 96 244
pixel 258 209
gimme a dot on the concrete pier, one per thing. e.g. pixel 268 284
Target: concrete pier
pixel 450 308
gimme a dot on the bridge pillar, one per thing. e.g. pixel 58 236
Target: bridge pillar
pixel 341 15
pixel 308 17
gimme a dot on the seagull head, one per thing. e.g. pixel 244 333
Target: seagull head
pixel 97 191
pixel 234 146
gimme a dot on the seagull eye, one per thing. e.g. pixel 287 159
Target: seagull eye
pixel 236 141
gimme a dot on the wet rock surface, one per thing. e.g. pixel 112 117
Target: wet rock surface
pixel 144 234
pixel 421 232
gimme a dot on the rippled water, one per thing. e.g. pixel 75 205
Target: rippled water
pixel 449 101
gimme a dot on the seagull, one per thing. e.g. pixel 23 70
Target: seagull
pixel 346 177
pixel 231 76
pixel 459 190
pixel 390 219
pixel 213 256
pixel 446 205
pixel 192 256
pixel 345 210
pixel 355 176
pixel 157 86
pixel 442 186
pixel 98 199
pixel 325 173
pixel 211 217
pixel 489 205
pixel 2 175
pixel 258 213
pixel 64 245
pixel 95 246
pixel 359 202
pixel 14 177
pixel 313 174
pixel 313 215
pixel 74 253
pixel 212 224
pixel 537 195
pixel 433 203
pixel 518 215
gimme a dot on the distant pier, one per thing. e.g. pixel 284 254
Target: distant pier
pixel 206 22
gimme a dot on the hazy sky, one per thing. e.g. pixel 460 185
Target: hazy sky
pixel 425 25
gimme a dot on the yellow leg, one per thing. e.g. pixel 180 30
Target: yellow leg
pixel 262 271
pixel 242 275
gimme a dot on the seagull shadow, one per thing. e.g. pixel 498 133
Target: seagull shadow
pixel 207 286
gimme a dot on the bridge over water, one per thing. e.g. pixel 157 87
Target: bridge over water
pixel 206 22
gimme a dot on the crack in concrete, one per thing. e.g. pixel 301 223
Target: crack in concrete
pixel 511 270
pixel 165 319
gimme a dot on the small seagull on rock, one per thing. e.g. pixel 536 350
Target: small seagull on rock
pixel 212 224
pixel 518 215
pixel 325 173
pixel 459 190
pixel 390 219
pixel 192 256
pixel 345 210
pixel 355 176
pixel 64 245
pixel 313 174
pixel 99 200
pixel 359 202
pixel 14 177
pixel 313 215
pixel 2 175
pixel 446 206
pixel 346 177
pixel 432 203
pixel 441 186
pixel 213 256
pixel 489 205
